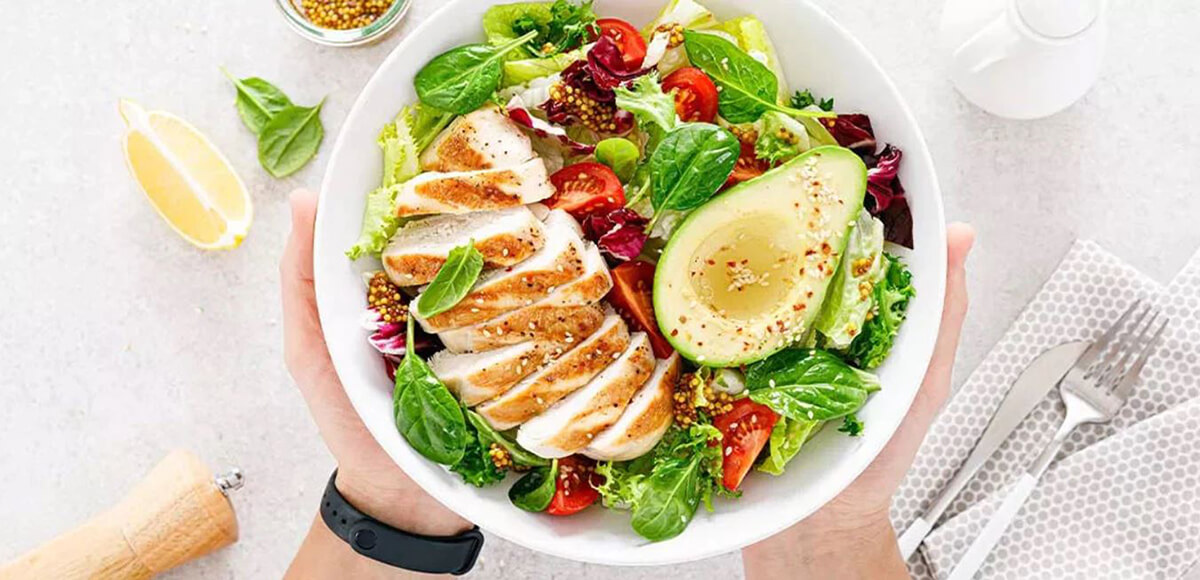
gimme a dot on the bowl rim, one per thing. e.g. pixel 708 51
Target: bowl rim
pixel 924 352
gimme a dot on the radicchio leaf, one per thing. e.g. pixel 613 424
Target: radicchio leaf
pixel 519 114
pixel 608 67
pixel 883 185
pixel 620 234
pixel 852 131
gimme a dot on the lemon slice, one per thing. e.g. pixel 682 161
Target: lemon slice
pixel 186 178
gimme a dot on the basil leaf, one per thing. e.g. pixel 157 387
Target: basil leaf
pixel 453 281
pixel 620 155
pixel 693 161
pixel 257 101
pixel 464 78
pixel 535 490
pixel 748 88
pixel 668 500
pixel 489 435
pixel 426 413
pixel 290 139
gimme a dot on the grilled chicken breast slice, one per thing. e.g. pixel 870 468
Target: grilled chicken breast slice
pixel 505 238
pixel 468 191
pixel 484 139
pixel 501 291
pixel 645 420
pixel 476 378
pixel 569 372
pixel 574 422
pixel 569 313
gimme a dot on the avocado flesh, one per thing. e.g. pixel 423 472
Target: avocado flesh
pixel 745 275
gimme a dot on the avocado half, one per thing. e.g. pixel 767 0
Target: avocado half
pixel 745 275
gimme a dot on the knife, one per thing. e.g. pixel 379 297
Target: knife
pixel 1026 392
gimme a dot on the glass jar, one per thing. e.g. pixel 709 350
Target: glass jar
pixel 351 37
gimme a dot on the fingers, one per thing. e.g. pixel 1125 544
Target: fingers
pixel 936 388
pixel 303 340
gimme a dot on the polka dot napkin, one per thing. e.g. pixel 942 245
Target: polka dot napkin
pixel 1123 500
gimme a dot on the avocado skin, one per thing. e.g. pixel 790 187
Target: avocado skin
pixel 855 171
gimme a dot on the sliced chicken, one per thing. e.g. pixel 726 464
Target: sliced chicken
pixel 569 313
pixel 476 378
pixel 501 291
pixel 505 237
pixel 468 191
pixel 572 370
pixel 485 139
pixel 573 423
pixel 645 420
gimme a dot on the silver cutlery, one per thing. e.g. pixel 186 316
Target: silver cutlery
pixel 1095 388
pixel 1030 388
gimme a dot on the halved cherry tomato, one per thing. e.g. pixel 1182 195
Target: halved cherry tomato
pixel 628 39
pixel 696 96
pixel 586 188
pixel 632 297
pixel 575 488
pixel 748 165
pixel 745 430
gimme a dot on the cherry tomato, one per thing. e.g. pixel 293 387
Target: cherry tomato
pixel 575 488
pixel 745 430
pixel 628 39
pixel 586 188
pixel 632 296
pixel 748 165
pixel 695 94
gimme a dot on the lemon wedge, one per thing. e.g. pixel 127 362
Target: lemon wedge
pixel 185 177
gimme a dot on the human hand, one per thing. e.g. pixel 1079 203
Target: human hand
pixel 367 477
pixel 851 536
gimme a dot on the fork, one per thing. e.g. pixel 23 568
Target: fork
pixel 1095 388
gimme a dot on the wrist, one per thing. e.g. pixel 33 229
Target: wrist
pixel 830 545
pixel 398 502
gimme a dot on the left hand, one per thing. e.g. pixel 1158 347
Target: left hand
pixel 367 477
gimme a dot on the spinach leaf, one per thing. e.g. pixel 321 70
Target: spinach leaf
pixel 685 472
pixel 690 165
pixel 809 385
pixel 476 466
pixel 257 101
pixel 535 490
pixel 453 281
pixel 489 435
pixel 427 124
pixel 620 155
pixel 463 79
pixel 426 413
pixel 748 87
pixel 290 139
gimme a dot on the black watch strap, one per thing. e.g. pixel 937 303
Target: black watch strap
pixel 383 543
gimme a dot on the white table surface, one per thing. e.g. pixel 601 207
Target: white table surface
pixel 118 341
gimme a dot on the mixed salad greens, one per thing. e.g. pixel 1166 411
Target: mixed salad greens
pixel 644 132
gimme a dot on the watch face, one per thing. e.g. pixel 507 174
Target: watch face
pixel 382 543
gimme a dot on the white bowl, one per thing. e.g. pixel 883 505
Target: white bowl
pixel 816 53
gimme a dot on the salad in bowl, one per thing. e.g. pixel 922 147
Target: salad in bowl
pixel 629 268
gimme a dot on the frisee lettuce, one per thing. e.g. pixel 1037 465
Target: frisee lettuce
pixel 891 297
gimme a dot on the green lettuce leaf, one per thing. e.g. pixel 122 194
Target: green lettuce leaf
pixel 653 109
pixel 782 138
pixel 476 467
pixel 891 298
pixel 560 26
pixel 787 437
pixel 851 291
pixel 522 71
pixel 688 13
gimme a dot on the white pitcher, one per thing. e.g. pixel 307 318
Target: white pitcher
pixel 1024 59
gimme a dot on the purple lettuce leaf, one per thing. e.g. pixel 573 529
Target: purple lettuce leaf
pixel 620 234
pixel 519 114
pixel 852 131
pixel 608 66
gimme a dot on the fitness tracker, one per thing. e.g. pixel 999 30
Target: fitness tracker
pixel 383 543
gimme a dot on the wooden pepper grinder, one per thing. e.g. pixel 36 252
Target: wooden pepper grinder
pixel 179 512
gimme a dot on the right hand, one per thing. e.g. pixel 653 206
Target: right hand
pixel 367 477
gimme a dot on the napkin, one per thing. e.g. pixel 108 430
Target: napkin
pixel 1085 295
